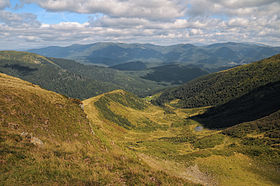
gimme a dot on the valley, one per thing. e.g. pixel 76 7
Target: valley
pixel 139 93
pixel 218 129
pixel 167 140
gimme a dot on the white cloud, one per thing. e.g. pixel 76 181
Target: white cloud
pixel 18 20
pixel 4 4
pixel 234 7
pixel 155 21
pixel 149 9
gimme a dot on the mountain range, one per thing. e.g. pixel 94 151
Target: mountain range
pixel 110 54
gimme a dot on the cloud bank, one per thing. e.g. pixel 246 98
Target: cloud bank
pixel 146 21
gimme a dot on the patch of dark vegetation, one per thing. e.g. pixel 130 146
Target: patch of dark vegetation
pixel 130 66
pixel 265 145
pixel 257 104
pixel 24 70
pixel 103 105
pixel 209 141
pixel 147 125
pixel 268 125
pixel 261 149
pixel 175 74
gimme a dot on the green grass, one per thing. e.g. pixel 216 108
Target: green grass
pixel 209 141
pixel 103 106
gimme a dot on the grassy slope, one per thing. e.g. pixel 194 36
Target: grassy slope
pixel 160 147
pixel 165 140
pixel 46 138
pixel 221 87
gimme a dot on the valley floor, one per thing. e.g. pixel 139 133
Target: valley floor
pixel 167 140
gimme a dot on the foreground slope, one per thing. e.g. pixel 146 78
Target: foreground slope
pixel 46 138
pixel 221 87
pixel 169 140
pixel 70 78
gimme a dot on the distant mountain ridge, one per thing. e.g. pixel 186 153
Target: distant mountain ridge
pixel 111 54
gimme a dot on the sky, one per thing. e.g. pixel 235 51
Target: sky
pixel 26 24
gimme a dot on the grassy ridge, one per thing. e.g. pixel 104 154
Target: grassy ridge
pixel 39 111
pixel 117 106
pixel 46 138
pixel 221 87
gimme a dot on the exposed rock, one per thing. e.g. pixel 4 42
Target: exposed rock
pixel 36 141
pixel 31 138
pixel 82 106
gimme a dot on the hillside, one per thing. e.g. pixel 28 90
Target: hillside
pixel 70 78
pixel 131 66
pixel 221 87
pixel 261 137
pixel 46 138
pixel 117 138
pixel 111 54
pixel 115 78
pixel 258 103
pixel 175 74
pixel 167 139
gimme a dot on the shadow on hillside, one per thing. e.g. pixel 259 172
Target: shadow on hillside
pixel 24 70
pixel 258 103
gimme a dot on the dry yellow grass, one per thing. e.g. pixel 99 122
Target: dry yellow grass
pixel 178 159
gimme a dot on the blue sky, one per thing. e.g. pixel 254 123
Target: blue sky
pixel 45 16
pixel 39 23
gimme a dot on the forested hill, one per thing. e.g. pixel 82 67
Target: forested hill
pixel 174 73
pixel 221 87
pixel 69 77
pixel 258 103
